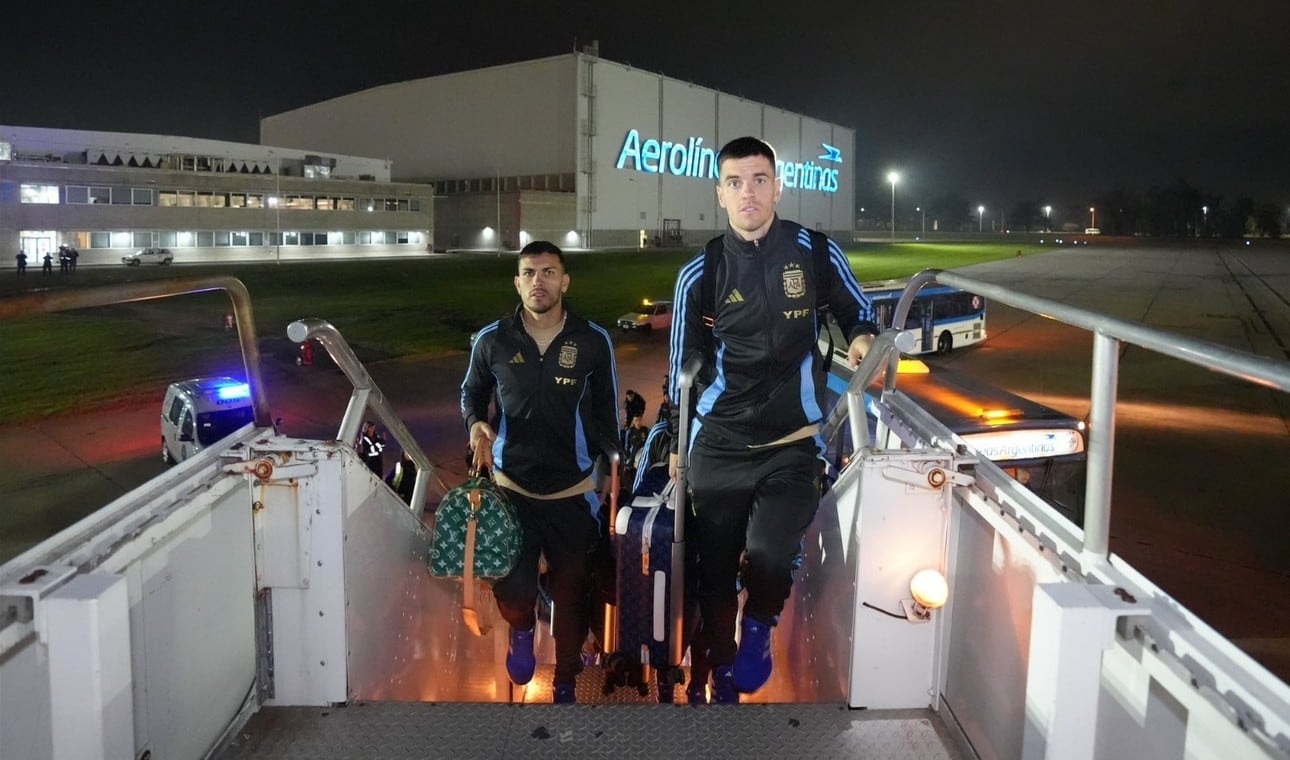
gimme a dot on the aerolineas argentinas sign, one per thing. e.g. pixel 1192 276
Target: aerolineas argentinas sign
pixel 691 159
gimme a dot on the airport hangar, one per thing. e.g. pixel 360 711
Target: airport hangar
pixel 576 149
pixel 108 194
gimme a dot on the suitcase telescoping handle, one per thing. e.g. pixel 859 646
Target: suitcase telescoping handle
pixel 609 629
pixel 676 609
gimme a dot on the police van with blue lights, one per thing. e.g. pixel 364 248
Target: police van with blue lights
pixel 200 412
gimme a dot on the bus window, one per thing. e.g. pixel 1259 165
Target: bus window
pixel 944 317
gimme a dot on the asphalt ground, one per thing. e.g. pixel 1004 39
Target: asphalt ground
pixel 1201 483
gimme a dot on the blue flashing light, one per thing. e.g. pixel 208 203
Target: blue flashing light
pixel 233 391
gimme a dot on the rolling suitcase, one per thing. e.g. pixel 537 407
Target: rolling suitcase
pixel 649 543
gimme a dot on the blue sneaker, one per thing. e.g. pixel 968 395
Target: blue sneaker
pixel 564 694
pixel 723 686
pixel 752 662
pixel 520 662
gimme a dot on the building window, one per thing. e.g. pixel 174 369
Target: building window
pixel 167 199
pixel 365 238
pixel 414 204
pixel 205 239
pixel 39 193
pixel 122 196
pixel 141 239
pixel 100 240
pixel 392 204
pixel 141 196
pixel 401 238
pixel 346 204
pixel 347 237
pixel 291 238
pixel 255 238
pixel 254 201
pixel 221 239
pixel 403 204
pixel 168 239
pixel 237 200
pixel 322 203
pixel 237 238
pixel 78 195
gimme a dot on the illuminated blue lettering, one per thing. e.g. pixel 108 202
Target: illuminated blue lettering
pixel 691 159
pixel 709 158
pixel 650 151
pixel 632 148
pixel 678 151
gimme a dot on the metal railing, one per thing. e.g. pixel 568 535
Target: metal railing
pixel 67 300
pixel 1108 335
pixel 366 395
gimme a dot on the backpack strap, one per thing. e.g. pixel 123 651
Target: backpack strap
pixel 707 285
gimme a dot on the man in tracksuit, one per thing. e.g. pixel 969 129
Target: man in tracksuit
pixel 755 445
pixel 557 407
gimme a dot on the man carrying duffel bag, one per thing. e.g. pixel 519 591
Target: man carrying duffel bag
pixel 557 405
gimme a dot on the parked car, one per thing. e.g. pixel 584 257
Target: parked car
pixel 198 413
pixel 161 256
pixel 650 315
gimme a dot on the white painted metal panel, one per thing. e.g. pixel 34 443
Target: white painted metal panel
pixel 900 530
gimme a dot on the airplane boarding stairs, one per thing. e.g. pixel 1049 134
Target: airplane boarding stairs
pixel 269 598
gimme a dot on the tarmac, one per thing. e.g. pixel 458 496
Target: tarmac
pixel 1200 490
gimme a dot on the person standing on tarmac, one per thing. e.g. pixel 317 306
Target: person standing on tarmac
pixel 755 446
pixel 403 477
pixel 556 386
pixel 371 444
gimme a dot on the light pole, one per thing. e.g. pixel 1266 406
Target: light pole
pixel 922 212
pixel 893 178
pixel 1048 212
pixel 1092 220
pixel 1205 210
pixel 980 216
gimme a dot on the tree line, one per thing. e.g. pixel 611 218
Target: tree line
pixel 1175 210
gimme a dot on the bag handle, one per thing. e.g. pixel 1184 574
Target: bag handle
pixel 470 616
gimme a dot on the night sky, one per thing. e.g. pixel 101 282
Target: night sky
pixel 999 102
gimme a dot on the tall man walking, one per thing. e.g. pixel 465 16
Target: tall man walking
pixel 755 443
pixel 556 386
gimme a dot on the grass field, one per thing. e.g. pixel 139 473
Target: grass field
pixel 58 363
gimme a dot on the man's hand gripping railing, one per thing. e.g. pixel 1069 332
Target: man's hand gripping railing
pixel 884 354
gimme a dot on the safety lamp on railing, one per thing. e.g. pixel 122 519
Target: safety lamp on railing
pixel 930 591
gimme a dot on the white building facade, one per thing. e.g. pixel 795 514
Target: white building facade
pixel 575 149
pixel 108 194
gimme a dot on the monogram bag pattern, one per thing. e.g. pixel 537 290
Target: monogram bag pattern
pixel 477 506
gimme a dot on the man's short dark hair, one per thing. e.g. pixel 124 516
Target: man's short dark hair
pixel 539 247
pixel 745 147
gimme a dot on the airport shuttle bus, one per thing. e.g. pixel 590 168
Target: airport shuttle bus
pixel 941 318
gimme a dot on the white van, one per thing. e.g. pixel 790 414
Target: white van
pixel 198 413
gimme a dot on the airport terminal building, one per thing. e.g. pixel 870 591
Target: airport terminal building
pixel 108 194
pixel 576 149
